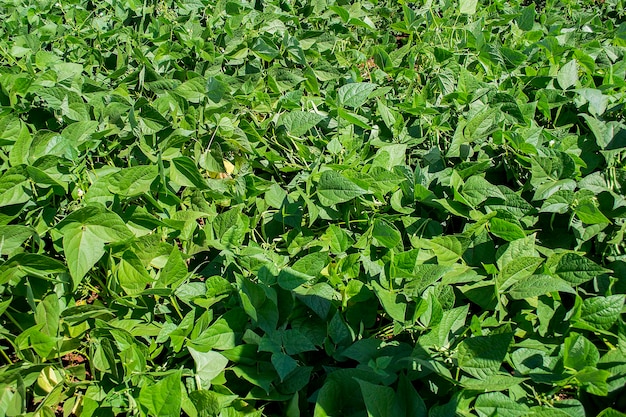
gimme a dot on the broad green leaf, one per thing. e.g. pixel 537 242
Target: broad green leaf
pixel 333 188
pixel 132 275
pixel 574 268
pixel 302 271
pixel 183 171
pixel 223 333
pixel 33 264
pixel 593 97
pixel 193 90
pixel 568 75
pixel 448 329
pixel 506 230
pixel 378 399
pixel 47 314
pixel 295 342
pixel 134 181
pixel 353 118
pixel 468 6
pixel 85 233
pixel 589 213
pixel 407 400
pixel 526 20
pixel 386 234
pixel 612 361
pixel 579 352
pixel 593 380
pixel 392 302
pixel 497 403
pixel 477 189
pixel 610 412
pixel 299 122
pixel 164 398
pixel 498 382
pixel 536 285
pixel 338 239
pixel 12 237
pixel 481 356
pixel 284 364
pixel 559 202
pixel 14 187
pixel 264 49
pixel 447 249
pixel 518 248
pixel 423 276
pixel 517 269
pixel 337 395
pixel 206 403
pixel 34 338
pixel 354 95
pixel 174 272
pixel 602 312
pixel 208 365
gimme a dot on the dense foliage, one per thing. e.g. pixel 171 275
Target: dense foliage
pixel 312 208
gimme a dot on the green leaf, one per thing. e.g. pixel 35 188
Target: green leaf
pixel 506 230
pixel 526 20
pixel 193 90
pixel 295 342
pixel 477 189
pixel 208 365
pixel 132 274
pixel 589 213
pixel 610 412
pixel 164 398
pixel 602 312
pixel 378 399
pixel 264 49
pixel 85 233
pixel 481 356
pixel 338 239
pixel 223 333
pixel 299 122
pixel 206 402
pixel 558 202
pixel 386 234
pixel 183 171
pixel 536 285
pixel 597 102
pixel 174 272
pixel 579 352
pixel 333 188
pixel 12 237
pixel 32 264
pixel 498 382
pixel 355 94
pixel 132 182
pixel 302 271
pixel 391 302
pixel 448 249
pixel 574 268
pixel 497 403
pixel 518 269
pixel 284 364
pixel 407 400
pixel 353 118
pixel 518 248
pixel 337 397
pixel 14 187
pixel 593 380
pixel 568 75
pixel 468 6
